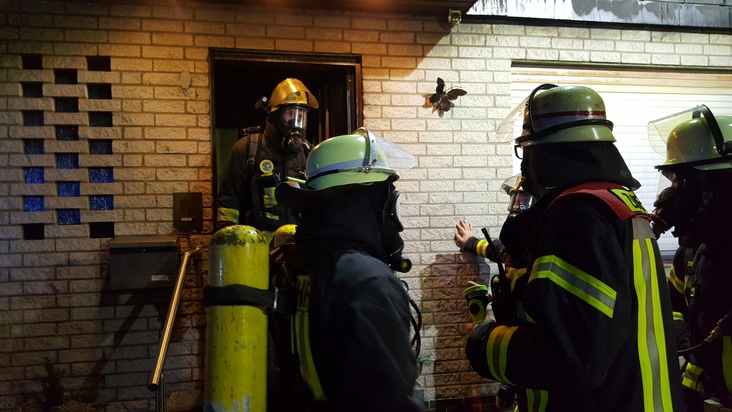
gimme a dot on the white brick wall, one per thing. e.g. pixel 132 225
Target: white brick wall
pixel 53 302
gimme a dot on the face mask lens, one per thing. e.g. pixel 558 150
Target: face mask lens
pixel 295 117
pixel 391 211
pixel 520 202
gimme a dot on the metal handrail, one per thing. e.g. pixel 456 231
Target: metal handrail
pixel 154 384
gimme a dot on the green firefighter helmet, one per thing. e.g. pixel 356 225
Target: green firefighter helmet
pixel 558 114
pixel 361 157
pixel 696 139
pixel 291 92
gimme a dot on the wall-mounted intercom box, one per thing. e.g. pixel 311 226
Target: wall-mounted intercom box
pixel 139 262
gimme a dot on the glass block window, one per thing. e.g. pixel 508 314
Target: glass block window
pixel 67 160
pixel 32 89
pixel 68 189
pixel 67 133
pixel 101 202
pixel 66 104
pixel 99 91
pixel 34 231
pixel 32 118
pixel 33 146
pixel 98 63
pixel 32 61
pixel 33 204
pixel 100 119
pixel 100 147
pixel 101 175
pixel 101 229
pixel 68 216
pixel 65 76
pixel 33 175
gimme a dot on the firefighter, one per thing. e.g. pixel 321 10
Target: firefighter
pixel 261 160
pixel 696 201
pixel 358 356
pixel 597 334
pixel 515 269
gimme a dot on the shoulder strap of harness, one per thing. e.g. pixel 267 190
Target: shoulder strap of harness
pixel 622 201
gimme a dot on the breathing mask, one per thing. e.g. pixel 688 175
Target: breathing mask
pixel 293 121
pixel 520 200
pixel 390 229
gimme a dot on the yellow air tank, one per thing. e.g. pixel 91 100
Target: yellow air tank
pixel 236 336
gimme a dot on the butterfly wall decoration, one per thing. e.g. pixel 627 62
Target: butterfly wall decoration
pixel 441 101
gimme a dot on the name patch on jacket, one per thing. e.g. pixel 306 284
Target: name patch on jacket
pixel 630 200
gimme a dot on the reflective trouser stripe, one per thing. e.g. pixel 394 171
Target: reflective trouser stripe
pixel 268 202
pixel 690 377
pixel 497 350
pixel 572 279
pixel 651 333
pixel 536 400
pixel 302 339
pixel 675 281
pixel 727 361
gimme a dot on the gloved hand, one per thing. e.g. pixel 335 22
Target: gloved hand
pixel 477 299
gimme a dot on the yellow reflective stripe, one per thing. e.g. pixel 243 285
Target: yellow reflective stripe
pixel 727 361
pixel 536 400
pixel 226 214
pixel 514 274
pixel 481 248
pixel 570 278
pixel 497 351
pixel 302 339
pixel 690 377
pixel 677 283
pixel 678 316
pixel 651 334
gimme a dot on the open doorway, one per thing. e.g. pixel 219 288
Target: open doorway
pixel 239 78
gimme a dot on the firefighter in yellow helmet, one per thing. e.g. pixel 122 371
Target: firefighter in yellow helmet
pixel 358 357
pixel 262 159
pixel 597 330
pixel 696 200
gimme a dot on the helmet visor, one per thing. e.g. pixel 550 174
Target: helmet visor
pixel 512 126
pixel 384 155
pixel 295 117
pixel 660 129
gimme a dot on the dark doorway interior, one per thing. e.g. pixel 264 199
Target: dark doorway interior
pixel 239 78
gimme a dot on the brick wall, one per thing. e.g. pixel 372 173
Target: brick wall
pixel 100 125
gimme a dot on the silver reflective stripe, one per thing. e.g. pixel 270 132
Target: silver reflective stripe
pixel 651 334
pixel 575 281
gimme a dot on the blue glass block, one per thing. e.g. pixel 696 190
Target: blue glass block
pixel 33 175
pixel 68 216
pixel 67 160
pixel 68 189
pixel 69 132
pixel 33 203
pixel 100 147
pixel 33 146
pixel 101 175
pixel 101 202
